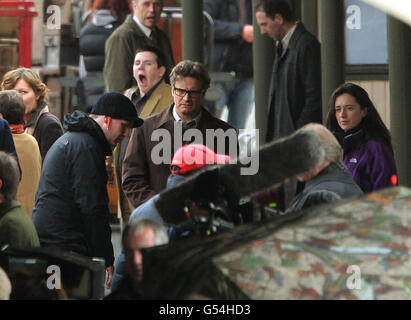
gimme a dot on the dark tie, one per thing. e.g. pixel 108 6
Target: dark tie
pixel 279 49
pixel 188 125
pixel 154 37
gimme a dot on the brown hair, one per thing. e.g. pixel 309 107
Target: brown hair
pixel 192 69
pixel 11 78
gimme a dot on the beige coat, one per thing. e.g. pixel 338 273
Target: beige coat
pixel 30 161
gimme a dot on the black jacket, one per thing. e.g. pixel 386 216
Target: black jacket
pixel 93 38
pixel 231 52
pixel 295 94
pixel 71 210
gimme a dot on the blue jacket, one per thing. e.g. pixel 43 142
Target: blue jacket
pixel 6 140
pixel 371 163
pixel 71 210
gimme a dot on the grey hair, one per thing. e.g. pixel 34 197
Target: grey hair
pixel 329 149
pixel 136 225
pixel 10 175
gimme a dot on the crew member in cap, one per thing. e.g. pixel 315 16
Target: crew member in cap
pixel 186 161
pixel 71 210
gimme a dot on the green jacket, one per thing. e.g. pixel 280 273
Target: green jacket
pixel 120 51
pixel 16 228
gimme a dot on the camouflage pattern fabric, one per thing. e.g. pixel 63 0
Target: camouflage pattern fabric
pixel 311 258
pixel 308 255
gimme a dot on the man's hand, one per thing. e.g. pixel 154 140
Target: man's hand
pixel 110 272
pixel 248 33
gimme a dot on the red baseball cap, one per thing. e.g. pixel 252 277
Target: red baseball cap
pixel 193 156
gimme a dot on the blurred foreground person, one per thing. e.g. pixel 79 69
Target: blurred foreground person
pixel 330 180
pixel 16 228
pixel 138 233
pixel 71 210
pixel 365 139
pixel 5 285
pixel 12 109
pixel 39 121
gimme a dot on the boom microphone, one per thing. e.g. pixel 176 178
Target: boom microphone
pixel 278 160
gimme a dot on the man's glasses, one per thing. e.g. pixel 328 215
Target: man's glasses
pixel 182 92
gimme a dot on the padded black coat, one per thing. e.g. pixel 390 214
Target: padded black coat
pixel 71 210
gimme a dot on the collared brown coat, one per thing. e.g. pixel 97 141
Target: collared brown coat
pixel 160 99
pixel 142 179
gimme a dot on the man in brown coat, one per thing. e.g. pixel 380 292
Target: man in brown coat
pixel 147 161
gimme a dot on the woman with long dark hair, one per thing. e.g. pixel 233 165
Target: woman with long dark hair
pixel 366 141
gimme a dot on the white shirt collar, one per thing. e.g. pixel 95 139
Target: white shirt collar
pixel 146 30
pixel 177 117
pixel 286 40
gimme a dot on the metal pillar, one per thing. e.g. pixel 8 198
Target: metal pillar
pixel 399 44
pixel 263 58
pixel 309 15
pixel 332 47
pixel 193 37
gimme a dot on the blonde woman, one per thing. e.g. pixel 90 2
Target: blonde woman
pixel 39 122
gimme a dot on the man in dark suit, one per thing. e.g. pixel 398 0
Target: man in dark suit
pixel 148 157
pixel 120 49
pixel 295 95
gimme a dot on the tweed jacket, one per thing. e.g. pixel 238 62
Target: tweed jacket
pixel 120 49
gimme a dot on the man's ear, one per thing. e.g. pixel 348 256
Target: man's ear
pixel 107 121
pixel 162 71
pixel 278 18
pixel 1 115
pixel 1 184
pixel 133 5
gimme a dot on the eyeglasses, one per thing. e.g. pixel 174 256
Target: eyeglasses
pixel 182 92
